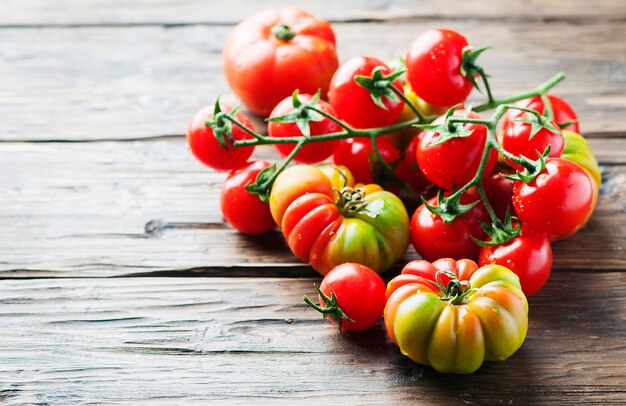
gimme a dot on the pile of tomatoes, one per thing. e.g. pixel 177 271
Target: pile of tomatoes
pixel 348 218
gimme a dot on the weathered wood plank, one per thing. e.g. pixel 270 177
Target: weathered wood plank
pixel 172 340
pixel 138 82
pixel 116 208
pixel 40 12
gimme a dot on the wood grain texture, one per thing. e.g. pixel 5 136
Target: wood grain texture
pixel 174 12
pixel 242 340
pixel 119 208
pixel 140 82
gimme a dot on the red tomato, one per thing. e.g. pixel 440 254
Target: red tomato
pixel 263 65
pixel 354 154
pixel 206 149
pixel 310 153
pixel 516 139
pixel 499 191
pixel 561 110
pixel 353 102
pixel 409 172
pixel 528 255
pixel 243 210
pixel 558 202
pixel 433 64
pixel 455 161
pixel 360 294
pixel 433 239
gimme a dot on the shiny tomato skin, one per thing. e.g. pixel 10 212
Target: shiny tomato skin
pixel 353 102
pixel 263 69
pixel 205 147
pixel 243 210
pixel 354 154
pixel 360 293
pixel 433 64
pixel 528 255
pixel 561 110
pixel 311 153
pixel 558 202
pixel 433 239
pixel 455 161
pixel 499 191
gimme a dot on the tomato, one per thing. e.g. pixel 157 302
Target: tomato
pixel 517 138
pixel 243 210
pixel 577 149
pixel 353 102
pixel 455 161
pixel 562 112
pixel 359 294
pixel 433 64
pixel 433 239
pixel 528 255
pixel 371 229
pixel 205 147
pixel 480 314
pixel 558 202
pixel 409 172
pixel 499 191
pixel 310 153
pixel 355 153
pixel 274 52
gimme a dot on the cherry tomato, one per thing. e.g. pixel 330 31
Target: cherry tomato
pixel 455 161
pixel 205 147
pixel 558 202
pixel 353 102
pixel 270 54
pixel 499 191
pixel 360 294
pixel 243 210
pixel 409 172
pixel 528 255
pixel 562 112
pixel 433 64
pixel 433 239
pixel 310 153
pixel 354 153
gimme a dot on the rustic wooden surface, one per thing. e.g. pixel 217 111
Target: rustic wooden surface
pixel 96 182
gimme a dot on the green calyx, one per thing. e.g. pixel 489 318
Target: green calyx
pixel 222 127
pixel 448 130
pixel 330 309
pixel 351 202
pixel 532 169
pixel 499 232
pixel 283 32
pixel 302 113
pixel 456 291
pixel 379 85
pixel 449 208
pixel 262 186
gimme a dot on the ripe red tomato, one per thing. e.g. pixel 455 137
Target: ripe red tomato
pixel 433 64
pixel 270 54
pixel 561 110
pixel 517 139
pixel 558 202
pixel 243 210
pixel 353 102
pixel 360 294
pixel 206 149
pixel 310 153
pixel 433 239
pixel 528 255
pixel 409 172
pixel 455 161
pixel 499 191
pixel 354 153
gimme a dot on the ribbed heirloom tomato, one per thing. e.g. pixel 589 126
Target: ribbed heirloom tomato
pixel 453 315
pixel 365 225
pixel 274 52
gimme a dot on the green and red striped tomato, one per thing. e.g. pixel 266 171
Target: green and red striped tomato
pixel 453 315
pixel 365 225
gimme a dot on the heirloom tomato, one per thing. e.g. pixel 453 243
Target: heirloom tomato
pixel 356 155
pixel 327 228
pixel 243 210
pixel 453 315
pixel 562 113
pixel 274 52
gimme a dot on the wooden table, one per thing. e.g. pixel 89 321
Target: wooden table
pixel 122 284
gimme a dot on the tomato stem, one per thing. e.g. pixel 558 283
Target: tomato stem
pixel 331 307
pixel 283 32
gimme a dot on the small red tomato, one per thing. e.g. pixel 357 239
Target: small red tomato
pixel 433 64
pixel 243 210
pixel 528 255
pixel 354 154
pixel 310 153
pixel 359 294
pixel 558 202
pixel 409 172
pixel 499 191
pixel 353 102
pixel 434 239
pixel 206 149
pixel 455 161
pixel 562 112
